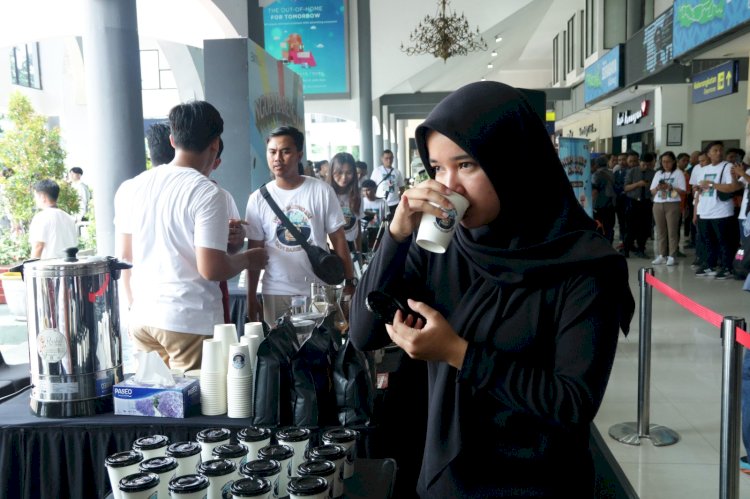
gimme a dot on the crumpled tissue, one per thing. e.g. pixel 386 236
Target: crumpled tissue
pixel 152 370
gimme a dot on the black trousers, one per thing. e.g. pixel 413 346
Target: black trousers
pixel 718 241
pixel 640 218
pixel 622 216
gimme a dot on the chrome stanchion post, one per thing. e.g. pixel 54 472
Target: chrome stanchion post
pixel 731 397
pixel 631 433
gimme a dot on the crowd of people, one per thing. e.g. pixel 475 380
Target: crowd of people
pixel 700 199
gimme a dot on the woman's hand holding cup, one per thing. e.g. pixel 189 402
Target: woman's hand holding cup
pixel 425 197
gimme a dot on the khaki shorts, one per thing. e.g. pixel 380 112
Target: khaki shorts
pixel 178 350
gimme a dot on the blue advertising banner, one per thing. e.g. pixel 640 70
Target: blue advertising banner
pixel 603 76
pixel 698 21
pixel 310 36
pixel 716 82
pixel 575 158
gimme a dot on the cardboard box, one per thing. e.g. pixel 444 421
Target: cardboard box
pixel 178 401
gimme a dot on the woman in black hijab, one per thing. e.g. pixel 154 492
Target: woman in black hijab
pixel 522 312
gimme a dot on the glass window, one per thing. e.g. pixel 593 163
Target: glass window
pixel 155 71
pixel 24 66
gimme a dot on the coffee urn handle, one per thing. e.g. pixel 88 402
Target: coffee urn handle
pixel 70 254
pixel 115 266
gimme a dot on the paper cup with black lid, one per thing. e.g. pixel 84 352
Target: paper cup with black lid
pixel 263 468
pixel 164 467
pixel 308 487
pixel 220 473
pixel 187 454
pixel 298 439
pixel 139 486
pixel 256 487
pixel 283 454
pixel 152 446
pixel 254 438
pixel 337 455
pixel 319 467
pixel 210 438
pixel 119 465
pixel 237 453
pixel 347 438
pixel 192 486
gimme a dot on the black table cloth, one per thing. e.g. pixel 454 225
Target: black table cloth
pixel 43 458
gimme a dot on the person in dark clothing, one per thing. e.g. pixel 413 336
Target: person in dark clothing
pixel 640 216
pixel 603 196
pixel 521 313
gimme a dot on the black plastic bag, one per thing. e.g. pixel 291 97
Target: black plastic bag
pixel 272 397
pixel 355 393
pixel 313 399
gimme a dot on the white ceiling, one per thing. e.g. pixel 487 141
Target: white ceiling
pixel 524 55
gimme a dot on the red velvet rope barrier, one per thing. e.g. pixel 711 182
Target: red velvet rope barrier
pixel 708 315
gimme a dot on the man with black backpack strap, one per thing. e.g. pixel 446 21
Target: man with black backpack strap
pixel 312 207
pixel 389 181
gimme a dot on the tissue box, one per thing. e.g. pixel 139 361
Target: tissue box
pixel 178 401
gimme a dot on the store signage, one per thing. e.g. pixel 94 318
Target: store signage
pixel 311 38
pixel 587 130
pixel 629 117
pixel 699 21
pixel 603 76
pixel 650 49
pixel 716 82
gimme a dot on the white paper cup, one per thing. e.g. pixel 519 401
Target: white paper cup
pixel 347 438
pixel 254 328
pixel 214 357
pixel 252 341
pixel 255 487
pixel 164 467
pixel 119 465
pixel 337 455
pixel 298 439
pixel 227 334
pixel 152 446
pixel 139 486
pixel 283 454
pixel 435 233
pixel 322 468
pixel 308 487
pixel 192 486
pixel 210 438
pixel 237 453
pixel 221 473
pixel 254 439
pixel 187 454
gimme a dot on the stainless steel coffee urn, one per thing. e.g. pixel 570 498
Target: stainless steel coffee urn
pixel 75 346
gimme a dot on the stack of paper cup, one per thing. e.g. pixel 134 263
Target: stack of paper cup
pixel 227 334
pixel 253 342
pixel 213 379
pixel 239 382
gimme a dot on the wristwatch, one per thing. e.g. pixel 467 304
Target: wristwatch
pixel 351 282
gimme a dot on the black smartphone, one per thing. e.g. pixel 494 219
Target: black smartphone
pixel 384 306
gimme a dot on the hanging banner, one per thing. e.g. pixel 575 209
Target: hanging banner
pixel 311 38
pixel 699 21
pixel 716 82
pixel 603 76
pixel 576 158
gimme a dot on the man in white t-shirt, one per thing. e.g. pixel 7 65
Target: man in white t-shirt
pixel 312 206
pixel 389 181
pixel 51 230
pixel 715 216
pixel 175 233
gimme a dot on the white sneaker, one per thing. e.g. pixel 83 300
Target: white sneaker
pixel 659 260
pixel 670 261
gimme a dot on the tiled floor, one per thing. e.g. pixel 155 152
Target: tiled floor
pixel 685 387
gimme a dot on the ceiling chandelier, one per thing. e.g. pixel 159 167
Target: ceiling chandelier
pixel 445 35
